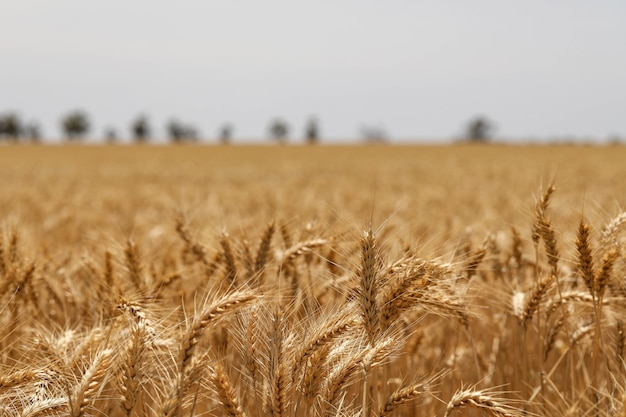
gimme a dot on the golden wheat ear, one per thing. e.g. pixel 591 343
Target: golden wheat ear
pixel 229 260
pixel 408 394
pixel 90 385
pixel 585 257
pixel 223 306
pixel 369 283
pixel 263 251
pixel 543 229
pixel 485 400
pixel 226 394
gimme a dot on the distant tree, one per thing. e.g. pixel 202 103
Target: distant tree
pixel 140 129
pixel 180 132
pixel 279 130
pixel 479 129
pixel 110 135
pixel 226 134
pixel 32 132
pixel 176 131
pixel 75 125
pixel 374 135
pixel 192 134
pixel 615 140
pixel 10 126
pixel 312 132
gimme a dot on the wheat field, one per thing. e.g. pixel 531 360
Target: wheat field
pixel 312 281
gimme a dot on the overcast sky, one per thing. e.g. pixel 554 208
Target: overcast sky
pixel 420 69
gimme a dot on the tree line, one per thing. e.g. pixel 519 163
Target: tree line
pixel 76 126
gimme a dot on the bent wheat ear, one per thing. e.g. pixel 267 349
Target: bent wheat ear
pixel 401 396
pixel 534 299
pixel 93 379
pixel 300 248
pixel 225 392
pixel 611 231
pixel 405 290
pixel 199 251
pixel 39 407
pixel 323 333
pixel 483 400
pixel 209 315
pixel 18 377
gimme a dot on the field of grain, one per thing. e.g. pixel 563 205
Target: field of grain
pixel 312 281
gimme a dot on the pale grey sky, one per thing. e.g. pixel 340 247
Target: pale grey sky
pixel 419 69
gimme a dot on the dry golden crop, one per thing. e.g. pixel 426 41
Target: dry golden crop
pixel 312 281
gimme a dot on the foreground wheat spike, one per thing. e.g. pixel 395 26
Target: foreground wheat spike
pixel 300 248
pixel 484 400
pixel 401 396
pixel 368 286
pixel 585 257
pixel 132 375
pixel 552 334
pixel 315 373
pixel 250 342
pixel 91 383
pixel 542 229
pixel 516 248
pixel 407 288
pixel 225 305
pixel 225 392
pixel 581 332
pixel 569 297
pixel 341 374
pixel 229 259
pixel 603 275
pixel 549 238
pixel 43 407
pixel 194 247
pixel 189 363
pixel 264 248
pixel 356 358
pixel 611 231
pixel 134 265
pixel 330 327
pixel 16 378
pixel 278 379
pixel 534 299
pixel 540 211
pixel 474 259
